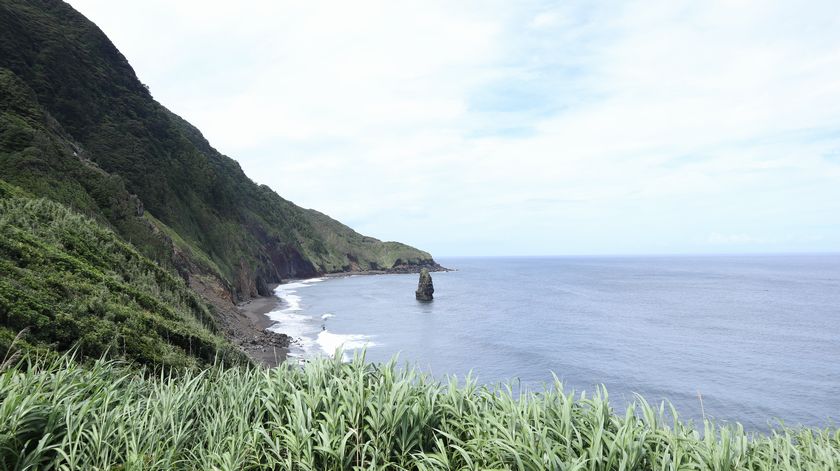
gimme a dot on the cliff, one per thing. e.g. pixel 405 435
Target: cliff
pixel 90 161
pixel 80 128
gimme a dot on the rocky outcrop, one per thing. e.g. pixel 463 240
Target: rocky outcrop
pixel 414 266
pixel 262 287
pixel 425 289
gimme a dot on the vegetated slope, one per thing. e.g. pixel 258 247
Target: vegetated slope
pixel 67 281
pixel 363 252
pixel 89 113
pixel 335 416
pixel 37 154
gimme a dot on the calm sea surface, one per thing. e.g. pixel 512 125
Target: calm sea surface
pixel 758 337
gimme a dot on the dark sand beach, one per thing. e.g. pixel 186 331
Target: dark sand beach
pixel 266 347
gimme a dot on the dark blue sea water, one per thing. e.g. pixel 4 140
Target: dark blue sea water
pixel 758 337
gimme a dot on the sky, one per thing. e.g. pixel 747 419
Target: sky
pixel 516 128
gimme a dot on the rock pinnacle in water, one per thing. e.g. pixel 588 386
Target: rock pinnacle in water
pixel 425 287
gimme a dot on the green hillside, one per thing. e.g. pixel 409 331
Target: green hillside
pixel 80 128
pixel 69 282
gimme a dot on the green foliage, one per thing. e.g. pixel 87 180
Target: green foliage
pixel 80 128
pixel 329 415
pixel 69 282
pixel 353 251
pixel 48 167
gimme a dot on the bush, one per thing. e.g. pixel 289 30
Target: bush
pixel 71 282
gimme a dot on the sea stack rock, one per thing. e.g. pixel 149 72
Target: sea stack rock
pixel 425 287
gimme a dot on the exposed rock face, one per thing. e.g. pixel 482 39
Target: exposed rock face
pixel 262 287
pixel 425 289
pixel 414 266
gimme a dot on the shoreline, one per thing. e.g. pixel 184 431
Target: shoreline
pixel 439 269
pixel 264 346
pixel 272 348
pixel 257 309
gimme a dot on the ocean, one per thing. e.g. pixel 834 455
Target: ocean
pixel 749 339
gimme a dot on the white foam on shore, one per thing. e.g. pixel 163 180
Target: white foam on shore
pixel 308 331
pixel 330 342
pixel 301 327
pixel 297 326
pixel 287 292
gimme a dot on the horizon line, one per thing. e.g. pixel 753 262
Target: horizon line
pixel 649 254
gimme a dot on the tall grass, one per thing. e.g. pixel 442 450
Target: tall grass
pixel 330 415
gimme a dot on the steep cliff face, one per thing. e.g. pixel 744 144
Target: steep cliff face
pixel 80 128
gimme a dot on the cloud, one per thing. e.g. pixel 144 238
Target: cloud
pixel 534 127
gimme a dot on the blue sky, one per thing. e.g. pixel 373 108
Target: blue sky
pixel 517 128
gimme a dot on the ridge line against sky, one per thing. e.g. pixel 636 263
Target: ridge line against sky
pixel 517 128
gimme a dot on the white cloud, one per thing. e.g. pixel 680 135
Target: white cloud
pixel 499 128
pixel 544 20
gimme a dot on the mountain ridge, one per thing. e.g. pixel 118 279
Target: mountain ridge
pixel 79 129
pixel 252 235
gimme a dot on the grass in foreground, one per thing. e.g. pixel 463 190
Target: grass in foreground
pixel 329 415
